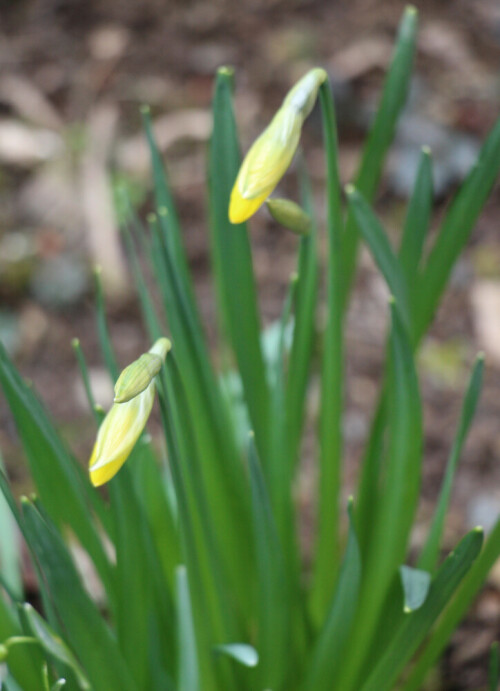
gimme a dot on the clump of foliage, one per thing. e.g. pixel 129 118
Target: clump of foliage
pixel 195 542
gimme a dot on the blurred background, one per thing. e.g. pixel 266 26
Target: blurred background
pixel 72 78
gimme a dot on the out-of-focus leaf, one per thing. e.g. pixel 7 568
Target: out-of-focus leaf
pixel 232 261
pixel 430 551
pixel 416 585
pixel 53 644
pixel 418 624
pixel 56 475
pixel 243 653
pixel 326 656
pixel 381 134
pixel 85 629
pixel 188 675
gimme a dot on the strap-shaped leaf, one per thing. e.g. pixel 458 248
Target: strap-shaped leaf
pixel 395 510
pixel 232 263
pixel 56 475
pixel 430 551
pixel 417 220
pixel 419 623
pixel 87 634
pixel 332 376
pixel 376 238
pixel 188 674
pixel 381 134
pixel 456 228
pixel 53 644
pixel 303 330
pixel 326 656
pixel 273 638
pixel 455 611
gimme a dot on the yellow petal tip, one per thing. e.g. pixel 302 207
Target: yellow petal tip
pixel 241 209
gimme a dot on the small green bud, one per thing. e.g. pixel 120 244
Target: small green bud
pixel 137 377
pixel 4 651
pixel 139 374
pixel 290 215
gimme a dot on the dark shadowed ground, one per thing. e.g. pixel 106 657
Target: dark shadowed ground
pixel 72 78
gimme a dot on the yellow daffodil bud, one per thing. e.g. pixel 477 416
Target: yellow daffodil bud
pixel 290 215
pixel 138 375
pixel 271 154
pixel 117 435
pixel 124 423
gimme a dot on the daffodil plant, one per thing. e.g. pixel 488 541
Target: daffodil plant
pixel 195 578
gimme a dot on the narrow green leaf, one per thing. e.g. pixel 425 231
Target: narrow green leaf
pixel 53 644
pixel 188 676
pixel 164 200
pixel 85 630
pixel 430 551
pixel 418 624
pixel 82 365
pixel 56 474
pixel 147 307
pixel 455 611
pixel 332 391
pixel 417 221
pixel 10 556
pixel 24 665
pixel 378 242
pixel 494 668
pixel 152 488
pixel 369 480
pixel 243 653
pixel 213 602
pixel 102 328
pixel 416 585
pixel 133 587
pixel 303 330
pixel 456 228
pixel 399 495
pixel 10 684
pixel 232 262
pixel 402 474
pixel 278 470
pixel 273 636
pixel 381 135
pixel 326 655
pixel 213 441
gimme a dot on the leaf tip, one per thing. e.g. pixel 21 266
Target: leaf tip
pixel 226 70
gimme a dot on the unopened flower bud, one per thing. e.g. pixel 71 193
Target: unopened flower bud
pixel 271 154
pixel 139 374
pixel 290 215
pixel 124 423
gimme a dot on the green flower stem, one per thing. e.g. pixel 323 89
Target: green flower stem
pixel 327 545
